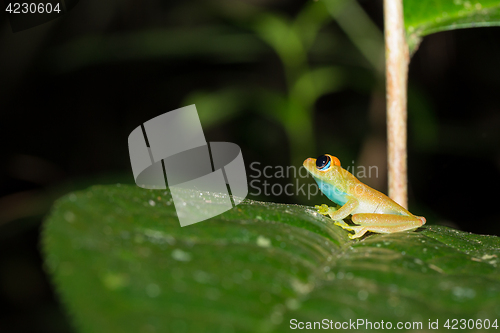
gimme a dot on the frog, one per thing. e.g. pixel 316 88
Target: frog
pixel 370 209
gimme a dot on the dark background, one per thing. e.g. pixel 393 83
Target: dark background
pixel 73 89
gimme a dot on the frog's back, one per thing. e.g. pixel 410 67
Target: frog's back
pixel 373 201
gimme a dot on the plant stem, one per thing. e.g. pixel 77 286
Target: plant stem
pixel 396 59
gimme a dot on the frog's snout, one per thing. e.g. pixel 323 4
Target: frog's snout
pixel 309 163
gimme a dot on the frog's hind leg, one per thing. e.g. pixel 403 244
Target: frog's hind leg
pixel 387 223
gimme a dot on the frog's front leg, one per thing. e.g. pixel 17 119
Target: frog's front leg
pixel 338 215
pixel 385 223
pixel 341 213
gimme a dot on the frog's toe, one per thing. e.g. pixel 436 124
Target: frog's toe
pixel 323 206
pixel 346 226
pixel 323 209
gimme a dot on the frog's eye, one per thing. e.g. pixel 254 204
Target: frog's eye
pixel 323 162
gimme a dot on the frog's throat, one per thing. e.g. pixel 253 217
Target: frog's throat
pixel 331 192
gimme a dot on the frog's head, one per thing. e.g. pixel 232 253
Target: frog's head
pixel 320 167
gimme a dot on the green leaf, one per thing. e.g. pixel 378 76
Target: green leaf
pixel 215 107
pixel 423 17
pixel 309 21
pixel 121 263
pixel 316 83
pixel 277 31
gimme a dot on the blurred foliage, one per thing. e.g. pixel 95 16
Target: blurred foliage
pixel 295 40
pixel 361 30
pixel 424 17
pixel 73 89
pixel 122 263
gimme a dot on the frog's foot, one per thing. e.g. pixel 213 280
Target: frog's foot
pixel 358 230
pixel 325 210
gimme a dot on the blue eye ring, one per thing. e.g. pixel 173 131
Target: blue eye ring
pixel 323 162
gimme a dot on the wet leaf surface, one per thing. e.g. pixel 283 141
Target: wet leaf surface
pixel 122 263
